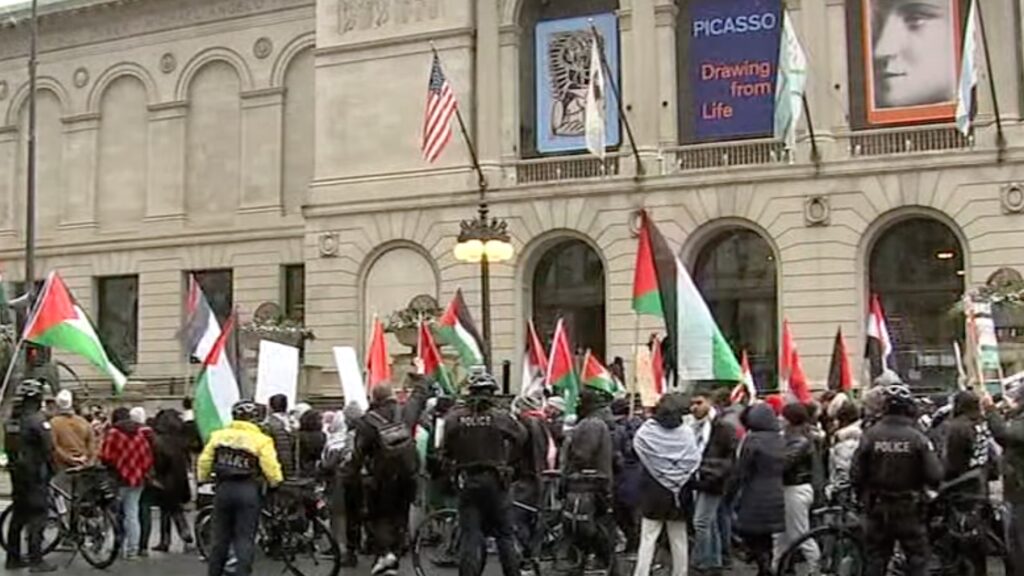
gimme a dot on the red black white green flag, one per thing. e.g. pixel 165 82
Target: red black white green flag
pixel 840 373
pixel 596 376
pixel 879 346
pixel 561 376
pixel 535 363
pixel 456 327
pixel 431 361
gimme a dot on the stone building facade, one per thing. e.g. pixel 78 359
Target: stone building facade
pixel 258 135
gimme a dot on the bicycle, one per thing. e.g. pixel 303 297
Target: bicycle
pixel 56 511
pixel 291 531
pixel 82 519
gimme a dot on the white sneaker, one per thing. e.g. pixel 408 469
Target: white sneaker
pixel 384 563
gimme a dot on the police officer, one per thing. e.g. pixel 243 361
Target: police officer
pixel 892 467
pixel 239 458
pixel 481 440
pixel 30 447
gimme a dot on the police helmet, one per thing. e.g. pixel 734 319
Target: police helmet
pixel 898 399
pixel 245 410
pixel 481 382
pixel 31 389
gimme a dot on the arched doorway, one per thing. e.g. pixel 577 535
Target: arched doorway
pixel 568 282
pixel 917 270
pixel 735 272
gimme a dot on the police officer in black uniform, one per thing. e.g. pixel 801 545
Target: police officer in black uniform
pixel 30 448
pixel 892 467
pixel 481 440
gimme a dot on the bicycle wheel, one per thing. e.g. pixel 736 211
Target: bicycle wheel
pixel 53 531
pixel 841 553
pixel 314 553
pixel 98 537
pixel 203 531
pixel 435 546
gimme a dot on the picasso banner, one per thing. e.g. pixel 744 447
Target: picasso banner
pixel 733 48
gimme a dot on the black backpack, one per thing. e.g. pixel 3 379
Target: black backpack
pixel 396 455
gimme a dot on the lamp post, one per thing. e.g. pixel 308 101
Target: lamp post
pixel 30 187
pixel 485 240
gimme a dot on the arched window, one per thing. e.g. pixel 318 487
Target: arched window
pixel 299 127
pixel 123 154
pixel 395 278
pixel 569 283
pixel 566 61
pixel 917 271
pixel 214 129
pixel 735 272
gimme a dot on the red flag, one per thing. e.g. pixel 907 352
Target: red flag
pixel 561 374
pixel 535 363
pixel 879 344
pixel 792 380
pixel 840 374
pixel 430 357
pixel 378 363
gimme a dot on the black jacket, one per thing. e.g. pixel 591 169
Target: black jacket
pixel 801 451
pixel 284 443
pixel 719 458
pixel 967 446
pixel 482 439
pixel 894 459
pixel 589 447
pixel 32 466
pixel 1010 435
pixel 761 506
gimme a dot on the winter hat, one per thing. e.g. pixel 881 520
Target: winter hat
pixel 65 399
pixel 353 412
pixel 138 415
pixel 557 403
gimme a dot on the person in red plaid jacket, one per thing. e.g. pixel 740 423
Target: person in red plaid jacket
pixel 127 451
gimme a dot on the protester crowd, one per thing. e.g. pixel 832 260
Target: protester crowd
pixel 740 479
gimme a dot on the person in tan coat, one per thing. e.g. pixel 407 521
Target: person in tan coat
pixel 74 443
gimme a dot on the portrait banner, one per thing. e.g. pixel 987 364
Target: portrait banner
pixel 563 52
pixel 911 54
pixel 733 61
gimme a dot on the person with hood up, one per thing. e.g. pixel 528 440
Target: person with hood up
pixel 170 482
pixel 845 440
pixel 337 456
pixel 969 450
pixel 717 443
pixel 669 456
pixel 798 481
pixel 309 443
pixel 127 451
pixel 761 507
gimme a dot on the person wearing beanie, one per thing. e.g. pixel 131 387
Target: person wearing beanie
pixel 74 443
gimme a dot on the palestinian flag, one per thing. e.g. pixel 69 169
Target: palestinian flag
pixel 746 390
pixel 879 346
pixel 792 381
pixel 596 376
pixel 59 322
pixel 216 388
pixel 840 373
pixel 535 363
pixel 378 362
pixel 431 361
pixel 646 297
pixel 561 375
pixel 457 327
pixel 201 329
pixel 697 348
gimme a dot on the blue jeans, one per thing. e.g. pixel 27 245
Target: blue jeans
pixel 130 498
pixel 708 549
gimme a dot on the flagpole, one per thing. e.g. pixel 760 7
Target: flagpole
pixel 815 154
pixel 481 179
pixel 10 367
pixel 618 99
pixel 1000 137
pixel 636 368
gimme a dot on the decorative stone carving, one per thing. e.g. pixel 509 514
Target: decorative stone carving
pixel 329 243
pixel 81 78
pixel 817 211
pixel 262 48
pixel 3 89
pixel 370 14
pixel 168 63
pixel 1011 196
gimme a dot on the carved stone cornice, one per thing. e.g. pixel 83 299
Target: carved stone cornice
pixel 77 27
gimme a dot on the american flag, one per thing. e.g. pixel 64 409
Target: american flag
pixel 441 106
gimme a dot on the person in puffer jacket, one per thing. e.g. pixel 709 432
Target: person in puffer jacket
pixel 844 444
pixel 798 479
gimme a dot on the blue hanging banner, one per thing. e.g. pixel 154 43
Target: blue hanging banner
pixel 733 58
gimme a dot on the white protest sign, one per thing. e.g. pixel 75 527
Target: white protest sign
pixel 278 372
pixel 351 376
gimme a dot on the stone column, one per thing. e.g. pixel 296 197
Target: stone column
pixel 488 87
pixel 1006 61
pixel 510 38
pixel 8 177
pixel 641 101
pixel 165 191
pixel 811 19
pixel 78 208
pixel 262 130
pixel 665 14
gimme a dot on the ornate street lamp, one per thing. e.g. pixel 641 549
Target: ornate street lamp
pixel 484 240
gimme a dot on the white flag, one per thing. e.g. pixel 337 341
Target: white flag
pixel 789 87
pixel 968 72
pixel 595 116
